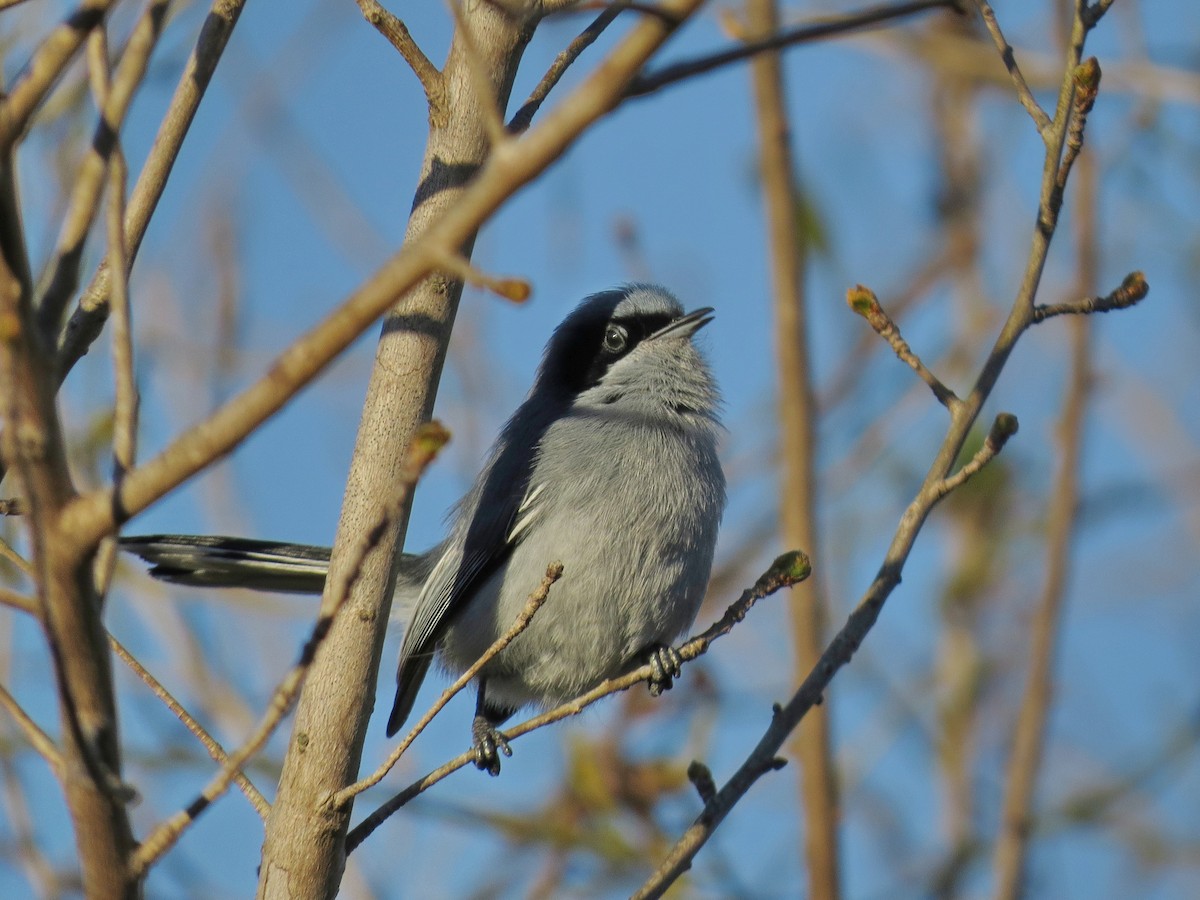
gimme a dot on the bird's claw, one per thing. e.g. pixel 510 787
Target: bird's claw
pixel 665 664
pixel 488 744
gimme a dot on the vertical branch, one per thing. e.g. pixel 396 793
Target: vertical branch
pixel 304 849
pixel 32 448
pixel 797 427
pixel 1025 761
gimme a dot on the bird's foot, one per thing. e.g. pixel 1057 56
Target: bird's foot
pixel 488 743
pixel 666 664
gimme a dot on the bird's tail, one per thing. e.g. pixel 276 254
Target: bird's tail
pixel 215 561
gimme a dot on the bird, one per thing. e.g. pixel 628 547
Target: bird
pixel 610 466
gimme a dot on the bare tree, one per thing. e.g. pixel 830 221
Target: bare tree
pixel 71 496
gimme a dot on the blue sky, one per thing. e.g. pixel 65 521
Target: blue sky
pixel 307 150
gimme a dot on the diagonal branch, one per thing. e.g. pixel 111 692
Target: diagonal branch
pixel 46 66
pixel 1024 94
pixel 214 748
pixel 787 570
pixel 532 605
pixel 799 34
pixel 426 444
pixel 38 739
pixel 92 310
pixel 520 121
pixel 398 35
pixel 94 515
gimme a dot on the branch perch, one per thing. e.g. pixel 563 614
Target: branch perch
pixel 787 570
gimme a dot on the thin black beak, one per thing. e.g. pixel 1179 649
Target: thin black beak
pixel 686 325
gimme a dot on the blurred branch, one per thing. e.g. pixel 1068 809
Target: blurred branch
pixel 45 67
pixel 38 739
pixel 936 484
pixel 92 310
pixel 788 569
pixel 399 37
pixel 515 289
pixel 32 447
pixel 425 446
pixel 89 184
pixel 96 514
pixel 797 410
pixel 1030 732
pixel 38 869
pixel 532 605
pixel 799 34
pixel 13 600
pixel 214 748
pixel 864 302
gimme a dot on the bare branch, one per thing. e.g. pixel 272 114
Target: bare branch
pixel 13 600
pixel 214 748
pixel 40 741
pixel 94 515
pixel 1132 291
pixel 1024 94
pixel 89 186
pixel 787 570
pixel 45 67
pixel 800 34
pixel 562 62
pixel 399 37
pixel 493 121
pixel 515 289
pixel 426 444
pixel 92 311
pixel 864 302
pixel 797 442
pixel 1004 427
pixel 532 605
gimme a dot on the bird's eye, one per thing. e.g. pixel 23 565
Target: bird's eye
pixel 615 338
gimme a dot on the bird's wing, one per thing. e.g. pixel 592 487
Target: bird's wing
pixel 489 537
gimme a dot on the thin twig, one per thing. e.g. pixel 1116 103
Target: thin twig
pixel 515 289
pixel 40 741
pixel 92 310
pixel 214 748
pixel 43 70
pixel 532 605
pixel 13 600
pixel 426 443
pixel 864 302
pixel 1087 86
pixel 788 569
pixel 1133 290
pixel 89 185
pixel 847 641
pixel 1004 427
pixel 800 34
pixel 558 68
pixel 7 552
pixel 398 35
pixel 1024 94
pixel 91 516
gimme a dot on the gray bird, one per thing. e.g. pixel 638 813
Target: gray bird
pixel 609 466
